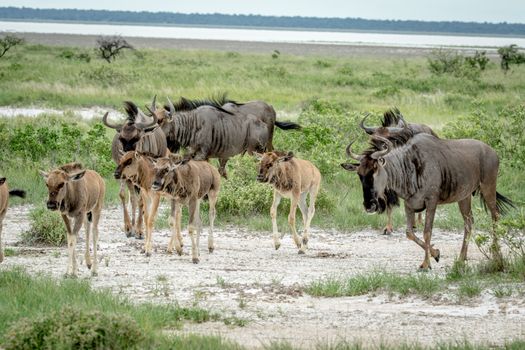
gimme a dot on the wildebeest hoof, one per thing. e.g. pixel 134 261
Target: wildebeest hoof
pixel 424 269
pixel 148 254
pixel 139 236
pixel 301 251
pixel 94 274
pixel 387 232
pixel 195 260
pixel 70 275
pixel 89 266
pixel 305 241
pixel 437 256
pixel 210 249
pixel 179 252
pixel 277 246
pixel 129 234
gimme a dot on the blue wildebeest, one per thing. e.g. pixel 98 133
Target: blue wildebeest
pixel 292 178
pixel 5 193
pixel 391 124
pixel 427 171
pixel 219 128
pixel 187 182
pixel 136 133
pixel 77 193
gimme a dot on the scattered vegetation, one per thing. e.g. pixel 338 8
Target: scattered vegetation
pixel 110 47
pixel 443 61
pixel 47 228
pixel 8 42
pixel 510 55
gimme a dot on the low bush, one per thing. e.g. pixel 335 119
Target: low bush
pixel 75 329
pixel 47 228
pixel 443 61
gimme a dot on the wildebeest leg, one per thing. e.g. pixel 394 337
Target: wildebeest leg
pixel 311 211
pixel 273 214
pixel 411 216
pixel 96 218
pixel 427 234
pixel 2 215
pixel 304 213
pixel 176 237
pixel 193 229
pixel 123 198
pixel 466 212
pixel 139 234
pixel 87 227
pixel 389 227
pixel 420 218
pixel 153 206
pixel 488 190
pixel 291 222
pixel 222 167
pixel 145 212
pixel 212 198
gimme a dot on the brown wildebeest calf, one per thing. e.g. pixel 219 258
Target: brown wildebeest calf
pixel 187 182
pixel 79 194
pixel 292 178
pixel 138 169
pixel 5 193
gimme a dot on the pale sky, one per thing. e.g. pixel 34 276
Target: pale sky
pixel 512 11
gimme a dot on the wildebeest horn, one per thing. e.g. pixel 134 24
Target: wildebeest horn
pixel 351 154
pixel 154 103
pixel 106 123
pixel 150 110
pixel 368 130
pixel 389 146
pixel 146 125
pixel 171 106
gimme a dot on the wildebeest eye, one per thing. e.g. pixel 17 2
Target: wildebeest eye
pixel 60 186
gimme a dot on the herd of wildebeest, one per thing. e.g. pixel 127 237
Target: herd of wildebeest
pixel 407 161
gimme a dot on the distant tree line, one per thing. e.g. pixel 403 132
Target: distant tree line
pixel 169 18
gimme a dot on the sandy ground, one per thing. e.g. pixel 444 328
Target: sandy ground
pixel 247 279
pixel 298 49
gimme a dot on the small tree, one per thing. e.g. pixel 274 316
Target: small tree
pixel 110 47
pixel 8 42
pixel 510 55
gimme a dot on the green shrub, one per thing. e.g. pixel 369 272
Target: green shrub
pixel 47 227
pixel 75 329
pixel 503 131
pixel 510 55
pixel 443 61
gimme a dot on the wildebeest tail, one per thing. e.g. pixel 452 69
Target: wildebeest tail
pixel 503 204
pixel 17 193
pixel 287 125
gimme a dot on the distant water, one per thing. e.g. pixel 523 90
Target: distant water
pixel 264 35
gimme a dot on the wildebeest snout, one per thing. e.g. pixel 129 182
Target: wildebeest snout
pixel 157 185
pixel 117 174
pixel 52 205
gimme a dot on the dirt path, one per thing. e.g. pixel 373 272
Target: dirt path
pixel 247 279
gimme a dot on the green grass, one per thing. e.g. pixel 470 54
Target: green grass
pixel 29 297
pixel 462 280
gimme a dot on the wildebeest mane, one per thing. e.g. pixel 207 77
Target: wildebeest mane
pixel 69 167
pixel 399 139
pixel 391 117
pixel 131 110
pixel 185 104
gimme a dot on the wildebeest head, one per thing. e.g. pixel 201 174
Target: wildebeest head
pixel 372 175
pixel 165 170
pixel 130 132
pixel 268 163
pixel 56 182
pixel 128 165
pixel 164 114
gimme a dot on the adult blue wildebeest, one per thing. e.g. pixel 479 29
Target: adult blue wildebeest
pixel 427 171
pixel 136 133
pixel 219 128
pixel 392 124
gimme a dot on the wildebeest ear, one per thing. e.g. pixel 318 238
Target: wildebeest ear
pixel 349 166
pixel 285 158
pixel 381 161
pixel 77 176
pixel 43 174
pixel 2 180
